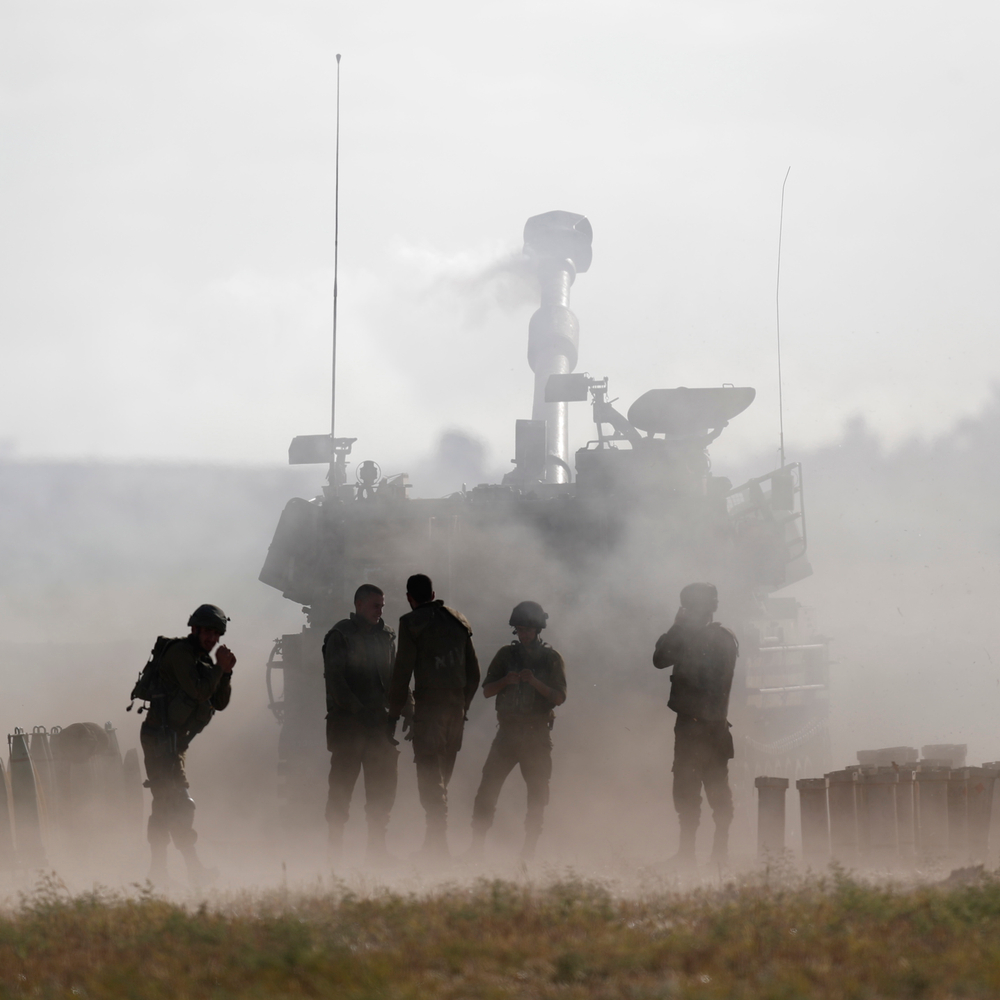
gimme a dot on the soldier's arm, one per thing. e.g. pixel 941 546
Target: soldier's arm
pixel 407 710
pixel 496 674
pixel 550 694
pixel 734 646
pixel 668 648
pixel 472 672
pixel 402 672
pixel 220 699
pixel 180 662
pixel 338 694
pixel 556 690
pixel 730 651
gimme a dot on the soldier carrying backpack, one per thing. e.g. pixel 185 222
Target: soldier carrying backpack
pixel 184 688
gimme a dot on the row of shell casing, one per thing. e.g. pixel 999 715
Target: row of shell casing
pixel 898 816
pixel 68 790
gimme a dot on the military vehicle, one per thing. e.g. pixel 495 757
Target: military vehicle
pixel 643 515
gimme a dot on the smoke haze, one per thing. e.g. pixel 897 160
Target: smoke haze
pixel 167 216
pixel 98 559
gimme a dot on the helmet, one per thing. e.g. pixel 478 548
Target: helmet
pixel 209 616
pixel 700 596
pixel 528 614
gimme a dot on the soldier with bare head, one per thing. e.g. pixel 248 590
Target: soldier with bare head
pixel 703 654
pixel 528 679
pixel 436 652
pixel 358 657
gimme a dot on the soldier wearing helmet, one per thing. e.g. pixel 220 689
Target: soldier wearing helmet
pixel 189 688
pixel 528 680
pixel 703 654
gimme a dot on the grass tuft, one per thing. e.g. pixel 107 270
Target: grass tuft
pixel 776 938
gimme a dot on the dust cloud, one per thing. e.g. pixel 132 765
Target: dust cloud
pixel 97 560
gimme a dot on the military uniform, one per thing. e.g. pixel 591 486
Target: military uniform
pixel 524 723
pixel 703 658
pixel 194 687
pixel 436 651
pixel 358 660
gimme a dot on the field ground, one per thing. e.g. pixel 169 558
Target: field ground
pixel 774 936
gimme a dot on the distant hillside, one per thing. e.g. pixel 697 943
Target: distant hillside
pixel 92 551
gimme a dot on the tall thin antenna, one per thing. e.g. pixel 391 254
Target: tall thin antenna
pixel 777 319
pixel 336 251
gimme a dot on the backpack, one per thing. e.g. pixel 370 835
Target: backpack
pixel 149 684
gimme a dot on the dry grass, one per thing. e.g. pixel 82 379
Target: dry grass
pixel 820 938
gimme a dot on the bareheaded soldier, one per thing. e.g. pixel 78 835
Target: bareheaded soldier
pixel 358 656
pixel 703 654
pixel 187 688
pixel 436 651
pixel 528 679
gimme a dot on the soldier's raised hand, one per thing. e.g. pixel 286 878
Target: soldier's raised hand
pixel 225 658
pixel 512 678
pixel 526 675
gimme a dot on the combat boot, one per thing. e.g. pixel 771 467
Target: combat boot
pixel 158 874
pixel 334 844
pixel 435 849
pixel 685 850
pixel 376 853
pixel 530 843
pixel 199 876
pixel 477 850
pixel 720 846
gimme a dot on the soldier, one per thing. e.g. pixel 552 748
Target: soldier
pixel 358 656
pixel 703 654
pixel 435 649
pixel 528 678
pixel 188 689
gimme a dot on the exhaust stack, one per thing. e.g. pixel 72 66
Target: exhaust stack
pixel 558 244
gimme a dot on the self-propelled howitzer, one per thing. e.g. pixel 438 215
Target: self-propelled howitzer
pixel 643 515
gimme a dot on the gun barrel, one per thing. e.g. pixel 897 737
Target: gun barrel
pixel 559 244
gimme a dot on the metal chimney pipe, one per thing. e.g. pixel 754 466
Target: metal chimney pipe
pixel 559 246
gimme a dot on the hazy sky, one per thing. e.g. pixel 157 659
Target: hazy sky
pixel 166 190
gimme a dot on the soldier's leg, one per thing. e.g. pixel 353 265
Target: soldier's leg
pixel 158 833
pixel 430 782
pixel 500 762
pixel 687 792
pixel 437 738
pixel 536 768
pixel 346 746
pixel 381 767
pixel 454 729
pixel 174 810
pixel 161 780
pixel 720 797
pixel 428 752
pixel 158 826
pixel 434 799
pixel 182 830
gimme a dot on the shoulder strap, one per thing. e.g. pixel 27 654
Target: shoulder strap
pixel 458 617
pixel 162 644
pixel 149 683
